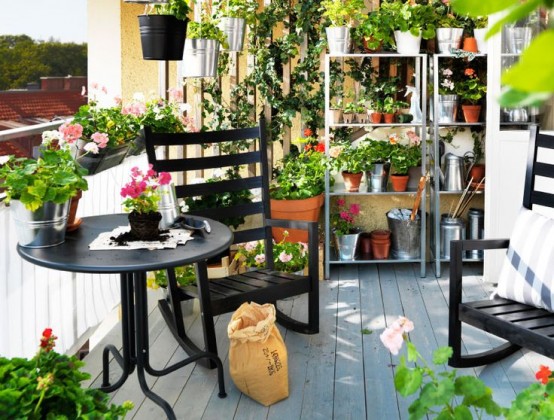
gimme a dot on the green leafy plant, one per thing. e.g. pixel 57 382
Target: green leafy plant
pixel 446 395
pixel 471 88
pixel 48 386
pixel 54 177
pixel 446 18
pixel 418 19
pixel 289 257
pixel 373 31
pixel 302 175
pixel 405 156
pixel 178 8
pixel 219 200
pixel 390 105
pixel 348 157
pixel 207 27
pixel 244 9
pixel 376 151
pixel 184 275
pixel 142 191
pixel 343 217
pixel 342 12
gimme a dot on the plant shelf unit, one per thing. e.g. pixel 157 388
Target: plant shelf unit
pixel 420 64
pixel 435 191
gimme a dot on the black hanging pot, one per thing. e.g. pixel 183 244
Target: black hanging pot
pixel 162 37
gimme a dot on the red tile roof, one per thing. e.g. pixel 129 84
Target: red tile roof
pixel 16 105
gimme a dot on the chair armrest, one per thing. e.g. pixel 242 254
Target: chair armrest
pixel 457 249
pixel 313 239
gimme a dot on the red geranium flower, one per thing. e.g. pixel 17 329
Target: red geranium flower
pixel 308 132
pixel 543 374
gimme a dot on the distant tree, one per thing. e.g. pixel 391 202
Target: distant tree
pixel 23 60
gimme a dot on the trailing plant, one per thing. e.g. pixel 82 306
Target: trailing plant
pixel 373 31
pixel 184 275
pixel 244 9
pixel 408 16
pixel 178 8
pixel 342 12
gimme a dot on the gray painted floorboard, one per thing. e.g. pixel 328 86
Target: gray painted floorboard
pixel 344 372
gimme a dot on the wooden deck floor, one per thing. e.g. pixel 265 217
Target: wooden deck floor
pixel 339 373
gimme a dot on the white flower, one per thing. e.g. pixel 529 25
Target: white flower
pixel 4 159
pixel 49 136
pixel 91 147
pixel 184 107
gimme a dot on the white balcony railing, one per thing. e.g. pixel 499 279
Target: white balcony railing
pixel 33 298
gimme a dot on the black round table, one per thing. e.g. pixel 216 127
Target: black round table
pixel 74 255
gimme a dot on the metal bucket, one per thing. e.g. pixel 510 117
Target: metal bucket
pixel 200 58
pixel 346 246
pixel 338 38
pixel 234 29
pixel 405 236
pixel 449 39
pixel 450 229
pixel 41 228
pixel 167 206
pixel 378 177
pixel 475 230
pixel 448 106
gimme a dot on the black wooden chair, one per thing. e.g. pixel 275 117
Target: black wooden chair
pixel 218 296
pixel 521 325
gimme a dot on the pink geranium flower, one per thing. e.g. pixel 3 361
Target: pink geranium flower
pixel 142 193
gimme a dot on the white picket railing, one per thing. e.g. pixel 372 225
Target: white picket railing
pixel 33 298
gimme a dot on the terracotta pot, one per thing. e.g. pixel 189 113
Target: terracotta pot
pixel 471 113
pixel 364 245
pixel 477 172
pixel 470 45
pixel 72 221
pixel 352 181
pixel 399 182
pixel 389 118
pixel 307 209
pixel 380 244
pixel 376 117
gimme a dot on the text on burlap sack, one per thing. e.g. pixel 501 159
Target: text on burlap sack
pixel 274 364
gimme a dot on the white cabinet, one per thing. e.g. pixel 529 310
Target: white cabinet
pixel 420 64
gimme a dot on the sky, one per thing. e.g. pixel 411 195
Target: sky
pixel 63 20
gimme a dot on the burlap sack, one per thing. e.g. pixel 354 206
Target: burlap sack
pixel 257 354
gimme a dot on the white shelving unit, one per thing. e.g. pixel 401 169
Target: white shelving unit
pixel 420 67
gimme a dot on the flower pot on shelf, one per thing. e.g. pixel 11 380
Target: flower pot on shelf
pixel 405 234
pixel 477 172
pixel 480 34
pixel 362 117
pixel 448 39
pixel 145 226
pixel 380 244
pixel 388 118
pixel 406 43
pixel 336 116
pixel 307 209
pixel 399 182
pixel 470 44
pixel 338 39
pixel 348 117
pixel 447 108
pixel 376 117
pixel 346 246
pixel 200 57
pixel 162 37
pixel 352 181
pixel 471 113
pixel 377 177
pixel 364 245
pixel 41 228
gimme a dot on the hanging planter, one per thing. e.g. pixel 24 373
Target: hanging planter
pixel 234 29
pixel 162 37
pixel 105 159
pixel 200 58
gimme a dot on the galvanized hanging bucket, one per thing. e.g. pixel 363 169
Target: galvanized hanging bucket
pixel 449 39
pixel 200 58
pixel 234 29
pixel 338 38
pixel 41 228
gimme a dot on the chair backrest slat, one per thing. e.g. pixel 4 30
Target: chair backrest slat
pixel 536 168
pixel 255 155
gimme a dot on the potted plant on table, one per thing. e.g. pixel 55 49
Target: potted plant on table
pixel 410 22
pixel 163 28
pixel 341 15
pixel 403 157
pixel 297 191
pixel 49 386
pixel 39 190
pixel 471 90
pixel 202 45
pixel 345 232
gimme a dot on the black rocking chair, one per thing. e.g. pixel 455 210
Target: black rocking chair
pixel 222 295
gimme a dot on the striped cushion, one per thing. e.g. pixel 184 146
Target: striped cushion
pixel 527 274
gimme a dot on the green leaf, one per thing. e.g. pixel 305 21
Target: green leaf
pixel 515 98
pixel 480 7
pixel 461 412
pixel 515 14
pixel 536 60
pixel 441 355
pixel 407 381
pixel 437 393
pixel 412 351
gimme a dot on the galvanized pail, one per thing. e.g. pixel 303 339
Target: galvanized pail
pixel 405 236
pixel 41 228
pixel 234 29
pixel 200 58
pixel 338 38
pixel 168 206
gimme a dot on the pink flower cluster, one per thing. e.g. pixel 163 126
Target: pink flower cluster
pixel 135 108
pixel 141 191
pixel 394 336
pixel 71 132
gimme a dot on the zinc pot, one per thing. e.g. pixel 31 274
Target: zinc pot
pixel 405 237
pixel 449 39
pixel 162 37
pixel 234 29
pixel 338 39
pixel 200 58
pixel 41 228
pixel 378 177
pixel 447 108
pixel 346 246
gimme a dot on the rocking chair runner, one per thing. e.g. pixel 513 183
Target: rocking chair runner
pixel 218 296
pixel 520 324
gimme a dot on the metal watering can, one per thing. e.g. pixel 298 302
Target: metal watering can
pixel 455 170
